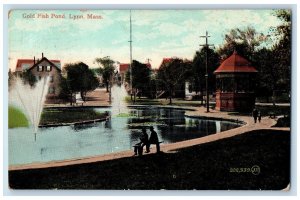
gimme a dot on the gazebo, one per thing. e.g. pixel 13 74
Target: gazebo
pixel 235 84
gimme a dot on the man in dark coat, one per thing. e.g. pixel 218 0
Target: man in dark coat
pixel 255 114
pixel 154 139
pixel 144 141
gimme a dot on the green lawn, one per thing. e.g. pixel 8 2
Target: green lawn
pixel 16 118
pixel 175 102
pixel 69 115
pixel 278 110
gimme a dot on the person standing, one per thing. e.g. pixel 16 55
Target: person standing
pixel 259 116
pixel 154 139
pixel 255 114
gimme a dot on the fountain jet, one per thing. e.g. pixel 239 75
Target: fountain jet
pixel 30 99
pixel 118 104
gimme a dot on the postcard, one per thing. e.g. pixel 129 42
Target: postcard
pixel 149 99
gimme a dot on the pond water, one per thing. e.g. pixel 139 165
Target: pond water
pixel 118 134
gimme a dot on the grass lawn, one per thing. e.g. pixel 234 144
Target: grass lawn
pixel 278 110
pixel 16 118
pixel 69 115
pixel 219 165
pixel 175 102
pixel 283 122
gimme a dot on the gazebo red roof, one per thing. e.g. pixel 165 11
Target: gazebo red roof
pixel 235 63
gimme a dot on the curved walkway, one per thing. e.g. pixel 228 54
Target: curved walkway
pixel 266 123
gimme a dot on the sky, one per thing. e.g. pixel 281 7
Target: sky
pixel 156 34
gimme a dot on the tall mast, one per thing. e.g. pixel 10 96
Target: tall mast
pixel 130 41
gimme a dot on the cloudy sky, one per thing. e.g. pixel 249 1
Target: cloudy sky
pixel 156 34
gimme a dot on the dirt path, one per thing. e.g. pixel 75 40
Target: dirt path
pixel 97 97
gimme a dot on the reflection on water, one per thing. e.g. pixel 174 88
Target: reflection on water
pixel 173 126
pixel 116 134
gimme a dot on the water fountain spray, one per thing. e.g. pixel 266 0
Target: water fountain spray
pixel 30 99
pixel 118 105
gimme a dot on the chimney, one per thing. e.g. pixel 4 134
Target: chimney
pixel 42 55
pixel 33 59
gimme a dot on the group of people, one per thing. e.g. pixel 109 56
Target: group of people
pixel 146 141
pixel 256 115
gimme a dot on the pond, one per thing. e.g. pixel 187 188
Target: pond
pixel 120 133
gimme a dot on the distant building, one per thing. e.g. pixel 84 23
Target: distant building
pixel 123 68
pixel 40 69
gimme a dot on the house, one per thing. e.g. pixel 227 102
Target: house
pixel 41 68
pixel 123 68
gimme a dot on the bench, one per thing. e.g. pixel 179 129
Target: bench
pixel 157 146
pixel 138 149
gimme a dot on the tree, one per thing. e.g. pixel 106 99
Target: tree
pixel 106 69
pixel 267 76
pixel 10 78
pixel 198 70
pixel 29 78
pixel 172 74
pixel 245 42
pixel 79 79
pixel 140 78
pixel 282 49
pixel 65 90
pixel 274 62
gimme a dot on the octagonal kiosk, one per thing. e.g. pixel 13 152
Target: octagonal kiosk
pixel 235 84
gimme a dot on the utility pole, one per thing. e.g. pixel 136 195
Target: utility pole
pixel 110 82
pixel 206 46
pixel 130 41
pixel 148 60
pixel 110 85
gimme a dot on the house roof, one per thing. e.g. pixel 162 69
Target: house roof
pixel 148 65
pixel 125 66
pixel 23 64
pixel 165 61
pixel 168 60
pixel 235 63
pixel 46 59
